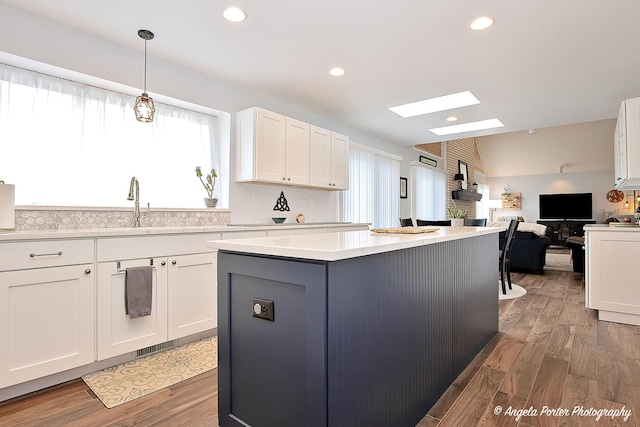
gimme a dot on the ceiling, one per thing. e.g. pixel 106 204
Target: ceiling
pixel 543 63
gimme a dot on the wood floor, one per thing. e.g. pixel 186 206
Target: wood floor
pixel 550 351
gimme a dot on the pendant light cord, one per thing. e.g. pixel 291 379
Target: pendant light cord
pixel 145 66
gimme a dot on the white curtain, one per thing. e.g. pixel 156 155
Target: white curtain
pixel 374 189
pixel 482 207
pixel 64 143
pixel 430 193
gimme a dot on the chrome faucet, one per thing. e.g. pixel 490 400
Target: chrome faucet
pixel 136 208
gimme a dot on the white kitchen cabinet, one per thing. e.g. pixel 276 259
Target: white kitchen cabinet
pixel 296 152
pixel 47 304
pixel 611 281
pixel 273 148
pixel 192 300
pixel 184 290
pixel 329 159
pixel 339 161
pixel 626 143
pixel 117 333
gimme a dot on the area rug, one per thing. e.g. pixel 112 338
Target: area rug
pixel 516 292
pixel 131 380
pixel 558 262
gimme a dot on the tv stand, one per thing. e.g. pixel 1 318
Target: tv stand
pixel 559 230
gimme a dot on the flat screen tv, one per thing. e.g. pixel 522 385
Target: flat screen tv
pixel 565 206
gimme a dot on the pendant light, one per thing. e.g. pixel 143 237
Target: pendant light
pixel 144 107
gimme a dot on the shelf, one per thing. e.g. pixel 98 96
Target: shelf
pixel 511 201
pixel 471 196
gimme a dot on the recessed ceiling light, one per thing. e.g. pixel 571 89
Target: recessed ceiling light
pixel 481 23
pixel 452 118
pixel 442 103
pixel 468 127
pixel 234 14
pixel 337 71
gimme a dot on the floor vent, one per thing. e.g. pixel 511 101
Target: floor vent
pixel 156 348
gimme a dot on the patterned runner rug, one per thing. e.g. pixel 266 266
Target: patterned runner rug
pixel 131 380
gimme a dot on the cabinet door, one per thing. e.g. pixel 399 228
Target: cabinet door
pixel 297 152
pixel 632 142
pixel 339 161
pixel 117 333
pixel 192 281
pixel 319 157
pixel 612 284
pixel 270 146
pixel 48 321
pixel 620 147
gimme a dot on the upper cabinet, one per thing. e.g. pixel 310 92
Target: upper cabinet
pixel 273 148
pixel 329 159
pixel 626 145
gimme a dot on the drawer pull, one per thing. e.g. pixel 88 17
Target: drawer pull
pixel 87 271
pixel 51 254
pixel 174 262
pixel 163 263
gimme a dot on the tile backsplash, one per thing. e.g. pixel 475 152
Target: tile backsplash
pixel 54 218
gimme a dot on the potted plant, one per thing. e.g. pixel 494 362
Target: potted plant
pixel 208 185
pixel 457 215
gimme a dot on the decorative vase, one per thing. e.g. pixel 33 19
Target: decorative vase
pixel 210 203
pixel 457 222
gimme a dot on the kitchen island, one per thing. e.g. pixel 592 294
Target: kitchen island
pixel 350 328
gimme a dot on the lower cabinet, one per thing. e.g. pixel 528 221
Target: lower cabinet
pixel 47 321
pixel 184 303
pixel 611 283
pixel 192 294
pixel 117 333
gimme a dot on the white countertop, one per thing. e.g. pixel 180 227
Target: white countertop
pixel 342 245
pixel 16 235
pixel 619 227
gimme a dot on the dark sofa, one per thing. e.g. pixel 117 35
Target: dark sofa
pixel 528 252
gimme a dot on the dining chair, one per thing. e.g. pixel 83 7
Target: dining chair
pixel 423 222
pixel 406 222
pixel 505 253
pixel 478 222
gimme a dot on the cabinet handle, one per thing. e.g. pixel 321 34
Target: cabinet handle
pixel 163 263
pixel 51 254
pixel 288 179
pixel 174 262
pixel 87 271
pixel 619 178
pixel 283 178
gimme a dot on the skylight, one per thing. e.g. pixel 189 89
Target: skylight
pixel 468 127
pixel 442 103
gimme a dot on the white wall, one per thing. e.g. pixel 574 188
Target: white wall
pixel 531 186
pixel 578 147
pixel 31 36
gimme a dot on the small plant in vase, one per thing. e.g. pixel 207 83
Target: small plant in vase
pixel 208 183
pixel 457 215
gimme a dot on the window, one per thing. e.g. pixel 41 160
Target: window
pixel 483 206
pixel 430 193
pixel 374 187
pixel 65 143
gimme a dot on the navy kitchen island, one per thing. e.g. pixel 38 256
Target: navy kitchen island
pixel 350 328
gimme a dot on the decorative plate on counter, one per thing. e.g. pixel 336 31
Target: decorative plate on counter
pixel 615 196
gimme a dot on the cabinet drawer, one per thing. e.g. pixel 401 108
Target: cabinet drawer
pixel 49 253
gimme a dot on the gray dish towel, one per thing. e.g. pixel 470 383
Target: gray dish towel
pixel 138 283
